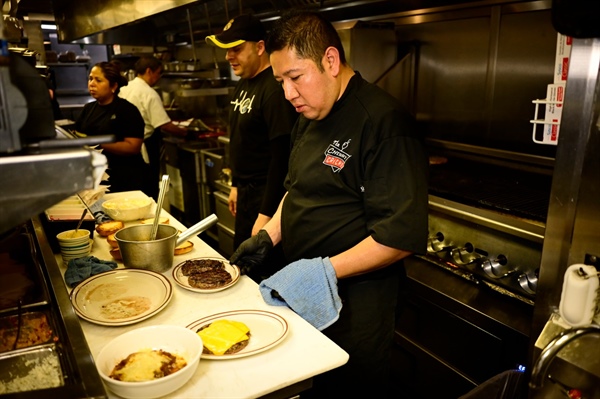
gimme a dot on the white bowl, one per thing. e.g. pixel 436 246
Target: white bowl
pixel 127 209
pixel 174 339
pixel 73 236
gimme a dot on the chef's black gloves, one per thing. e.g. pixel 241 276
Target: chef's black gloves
pixel 252 252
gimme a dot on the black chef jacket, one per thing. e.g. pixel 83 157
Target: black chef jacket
pixel 360 171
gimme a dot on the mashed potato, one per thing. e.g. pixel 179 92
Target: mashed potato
pixel 127 203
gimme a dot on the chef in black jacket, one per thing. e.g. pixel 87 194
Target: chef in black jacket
pixel 112 115
pixel 356 201
pixel 260 121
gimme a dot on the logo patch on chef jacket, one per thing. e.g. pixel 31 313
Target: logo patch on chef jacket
pixel 335 156
pixel 243 104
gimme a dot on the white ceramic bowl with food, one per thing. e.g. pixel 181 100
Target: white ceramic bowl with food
pixel 128 209
pixel 176 340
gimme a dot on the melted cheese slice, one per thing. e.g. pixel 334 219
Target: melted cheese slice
pixel 222 335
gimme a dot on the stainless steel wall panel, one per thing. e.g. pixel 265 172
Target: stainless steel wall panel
pixel 477 71
pixel 451 74
pixel 572 229
pixel 369 50
pixel 524 67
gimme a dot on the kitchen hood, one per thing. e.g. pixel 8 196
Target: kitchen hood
pixel 78 19
pixel 163 22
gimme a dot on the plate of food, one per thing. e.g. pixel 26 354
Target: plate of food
pixel 239 333
pixel 206 275
pixel 121 297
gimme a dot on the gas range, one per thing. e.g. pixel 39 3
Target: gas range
pixel 497 250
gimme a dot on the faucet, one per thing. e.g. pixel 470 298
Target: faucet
pixel 540 369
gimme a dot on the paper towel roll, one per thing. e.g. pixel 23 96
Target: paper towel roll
pixel 579 295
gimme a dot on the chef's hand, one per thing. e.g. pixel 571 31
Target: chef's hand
pixel 232 201
pixel 252 252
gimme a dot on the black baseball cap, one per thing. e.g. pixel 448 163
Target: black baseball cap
pixel 244 28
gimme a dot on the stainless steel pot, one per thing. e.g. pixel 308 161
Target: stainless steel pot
pixel 192 83
pixel 139 252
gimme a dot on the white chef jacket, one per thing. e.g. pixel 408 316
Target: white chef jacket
pixel 150 105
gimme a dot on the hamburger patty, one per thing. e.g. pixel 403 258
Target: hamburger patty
pixel 194 266
pixel 211 278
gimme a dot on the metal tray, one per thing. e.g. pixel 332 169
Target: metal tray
pixel 31 369
pixel 34 329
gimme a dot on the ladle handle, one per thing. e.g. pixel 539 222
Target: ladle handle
pixel 85 211
pixel 164 184
pixel 196 229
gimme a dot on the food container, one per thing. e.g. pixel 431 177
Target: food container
pixel 127 209
pixel 67 56
pixel 192 83
pixel 65 216
pixel 139 252
pixel 176 340
pixel 31 369
pixel 32 329
pixel 74 244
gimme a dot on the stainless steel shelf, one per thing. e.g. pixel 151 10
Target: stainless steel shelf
pixel 218 91
pixel 68 64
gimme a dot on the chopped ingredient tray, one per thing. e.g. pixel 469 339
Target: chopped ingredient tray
pixel 30 370
pixel 69 209
pixel 32 328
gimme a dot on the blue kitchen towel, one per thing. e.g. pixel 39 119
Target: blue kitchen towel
pixel 81 268
pixel 98 212
pixel 309 288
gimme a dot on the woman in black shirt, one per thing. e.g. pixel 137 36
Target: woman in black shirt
pixel 112 115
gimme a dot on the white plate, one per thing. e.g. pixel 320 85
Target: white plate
pixel 121 297
pixel 182 280
pixel 266 330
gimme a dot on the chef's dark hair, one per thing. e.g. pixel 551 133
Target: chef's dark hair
pixel 308 33
pixel 112 72
pixel 147 62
